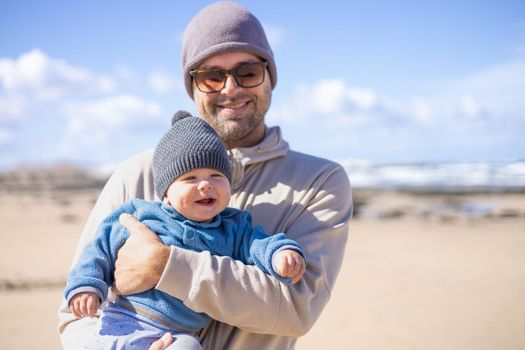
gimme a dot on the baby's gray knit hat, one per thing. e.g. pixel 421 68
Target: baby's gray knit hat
pixel 189 144
pixel 221 27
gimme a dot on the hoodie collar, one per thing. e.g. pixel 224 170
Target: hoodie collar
pixel 272 146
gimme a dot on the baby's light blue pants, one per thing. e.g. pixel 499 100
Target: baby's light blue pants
pixel 122 329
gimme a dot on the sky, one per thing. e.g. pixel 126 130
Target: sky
pixel 94 82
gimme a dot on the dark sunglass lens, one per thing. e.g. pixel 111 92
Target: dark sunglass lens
pixel 210 80
pixel 249 75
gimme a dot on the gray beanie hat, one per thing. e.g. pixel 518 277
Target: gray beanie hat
pixel 189 144
pixel 223 27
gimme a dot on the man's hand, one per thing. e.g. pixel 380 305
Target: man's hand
pixel 84 304
pixel 141 260
pixel 289 263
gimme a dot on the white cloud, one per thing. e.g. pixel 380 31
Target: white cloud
pixel 45 78
pixel 509 75
pixel 328 96
pixel 476 116
pixel 6 136
pixel 487 96
pixel 497 90
pixel 422 109
pixel 162 82
pixel 492 94
pixel 469 106
pixel 12 107
pixel 91 116
pixel 338 103
pixel 362 98
pixel 98 126
pixel 112 111
pixel 124 73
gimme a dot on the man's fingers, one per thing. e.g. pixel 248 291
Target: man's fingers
pixel 141 259
pixel 131 223
pixel 135 226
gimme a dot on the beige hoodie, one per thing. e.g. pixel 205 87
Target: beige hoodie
pixel 306 197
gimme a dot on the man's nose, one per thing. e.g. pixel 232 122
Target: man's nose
pixel 230 86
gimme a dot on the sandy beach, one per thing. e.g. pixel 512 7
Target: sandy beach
pixel 421 271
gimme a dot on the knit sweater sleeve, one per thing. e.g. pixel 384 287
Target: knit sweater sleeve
pixel 94 270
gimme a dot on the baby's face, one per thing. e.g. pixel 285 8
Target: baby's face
pixel 199 194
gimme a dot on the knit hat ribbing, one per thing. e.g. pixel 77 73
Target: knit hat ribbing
pixel 223 27
pixel 189 144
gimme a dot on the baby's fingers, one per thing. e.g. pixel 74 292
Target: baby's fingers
pixel 74 309
pixel 291 267
pixel 92 305
pixel 83 309
pixel 75 306
pixel 283 268
pixel 301 265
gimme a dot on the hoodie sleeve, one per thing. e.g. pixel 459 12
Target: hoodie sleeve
pixel 94 270
pixel 232 292
pixel 257 247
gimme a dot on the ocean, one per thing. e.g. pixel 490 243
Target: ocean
pixel 439 177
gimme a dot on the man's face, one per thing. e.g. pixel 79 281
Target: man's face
pixel 236 113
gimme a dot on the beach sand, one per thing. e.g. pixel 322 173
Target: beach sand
pixel 421 271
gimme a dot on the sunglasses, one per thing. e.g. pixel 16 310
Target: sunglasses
pixel 246 75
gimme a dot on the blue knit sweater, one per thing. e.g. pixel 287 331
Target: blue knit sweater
pixel 230 233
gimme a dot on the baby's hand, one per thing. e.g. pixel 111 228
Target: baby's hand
pixel 289 263
pixel 84 304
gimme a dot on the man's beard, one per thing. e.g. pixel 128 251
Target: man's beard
pixel 232 130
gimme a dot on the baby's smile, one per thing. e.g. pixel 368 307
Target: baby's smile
pixel 207 201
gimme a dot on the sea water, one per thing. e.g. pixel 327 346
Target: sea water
pixel 495 176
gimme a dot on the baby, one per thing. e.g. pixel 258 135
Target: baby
pixel 192 176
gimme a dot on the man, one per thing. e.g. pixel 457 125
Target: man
pixel 229 71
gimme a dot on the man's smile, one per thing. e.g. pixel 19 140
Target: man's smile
pixel 234 107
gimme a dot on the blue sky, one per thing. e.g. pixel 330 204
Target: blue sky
pixel 381 81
